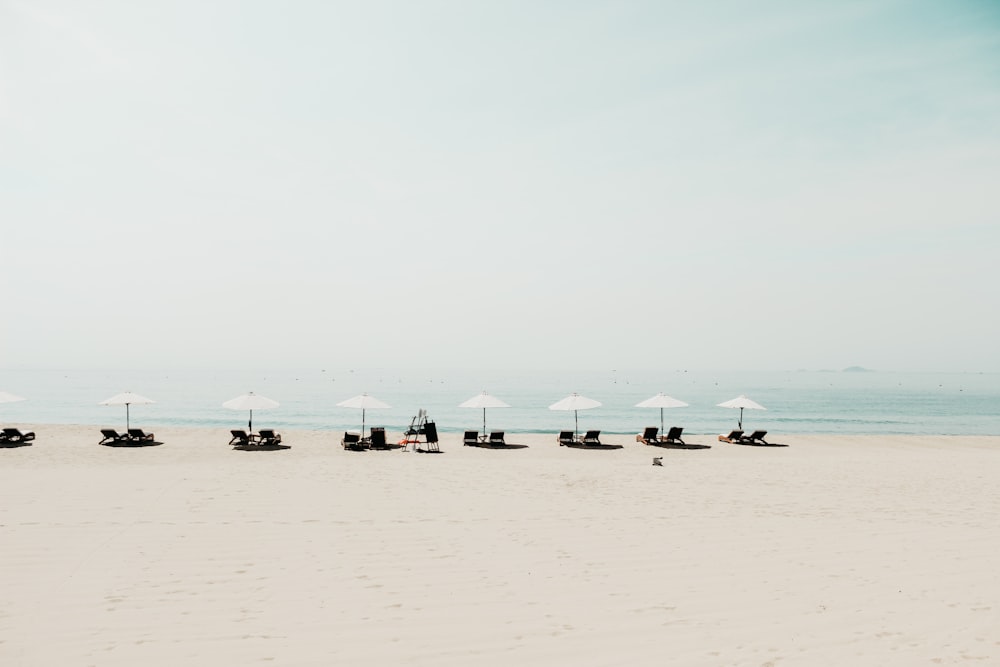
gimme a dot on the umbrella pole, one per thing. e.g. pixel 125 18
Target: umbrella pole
pixel 362 422
pixel 484 421
pixel 126 417
pixel 250 424
pixel 741 419
pixel 661 422
pixel 576 424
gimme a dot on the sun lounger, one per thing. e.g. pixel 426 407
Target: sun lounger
pixel 239 438
pixel 269 437
pixel 138 435
pixel 471 438
pixel 755 438
pixel 592 438
pixel 567 438
pixel 496 438
pixel 673 436
pixel 15 435
pixel 111 436
pixel 648 435
pixel 377 439
pixel 352 440
pixel 734 436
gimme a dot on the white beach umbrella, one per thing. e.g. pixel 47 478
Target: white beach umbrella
pixel 9 398
pixel 742 402
pixel 483 400
pixel 661 401
pixel 575 402
pixel 250 401
pixel 127 398
pixel 365 402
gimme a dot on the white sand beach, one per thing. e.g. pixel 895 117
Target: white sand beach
pixel 873 550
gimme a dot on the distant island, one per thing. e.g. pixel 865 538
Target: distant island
pixel 857 369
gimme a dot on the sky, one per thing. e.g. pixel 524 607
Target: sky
pixel 581 184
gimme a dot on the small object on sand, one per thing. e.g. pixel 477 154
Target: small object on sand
pixel 657 460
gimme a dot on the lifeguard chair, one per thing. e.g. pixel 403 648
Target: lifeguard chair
pixel 422 431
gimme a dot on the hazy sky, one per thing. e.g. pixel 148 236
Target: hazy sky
pixel 565 184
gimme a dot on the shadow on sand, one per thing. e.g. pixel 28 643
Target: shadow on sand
pixel 486 445
pixel 7 444
pixel 272 447
pixel 580 445
pixel 678 445
pixel 759 444
pixel 132 443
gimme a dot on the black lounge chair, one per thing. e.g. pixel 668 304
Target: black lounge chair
pixel 734 437
pixel 471 438
pixel 496 438
pixel 15 435
pixel 755 438
pixel 353 441
pixel 111 437
pixel 673 436
pixel 567 438
pixel 138 435
pixel 649 435
pixel 592 438
pixel 239 438
pixel 269 437
pixel 377 438
pixel 431 436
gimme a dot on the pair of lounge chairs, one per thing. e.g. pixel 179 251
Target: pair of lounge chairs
pixel 472 438
pixel 569 438
pixel 737 438
pixel 133 435
pixel 14 435
pixel 650 436
pixel 353 440
pixel 265 437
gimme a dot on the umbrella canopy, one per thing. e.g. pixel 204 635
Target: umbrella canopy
pixel 250 401
pixel 575 402
pixel 127 398
pixel 483 400
pixel 661 401
pixel 9 398
pixel 365 402
pixel 742 402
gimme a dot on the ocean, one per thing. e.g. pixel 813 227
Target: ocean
pixel 817 402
